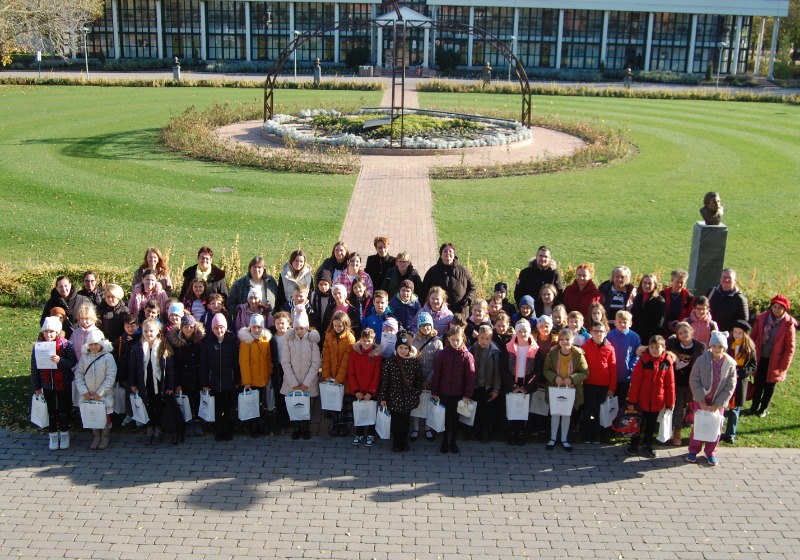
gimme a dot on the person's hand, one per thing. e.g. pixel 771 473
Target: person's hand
pixel 568 382
pixel 303 387
pixel 55 358
pixel 135 389
pixel 87 396
pixel 168 391
pixel 383 404
pixel 493 395
pixel 367 396
pixel 179 389
pixel 426 385
pixel 631 408
pixel 247 387
pixel 610 393
pixel 466 399
pixel 359 395
pixel 206 389
pixel 559 381
pixel 38 392
pixel 435 397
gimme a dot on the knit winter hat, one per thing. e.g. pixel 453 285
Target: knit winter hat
pixel 326 276
pixel 522 324
pixel 257 320
pixel 51 324
pixel 391 323
pixel 254 293
pixel 544 319
pixel 301 320
pixel 720 338
pixel 528 300
pixel 407 284
pixel 781 299
pixel 403 339
pixel 424 318
pixel 188 320
pixel 176 309
pixel 219 319
pixel 95 337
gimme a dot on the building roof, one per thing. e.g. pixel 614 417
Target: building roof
pixel 414 19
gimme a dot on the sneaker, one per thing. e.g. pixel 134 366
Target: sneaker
pixel 691 458
pixel 53 441
pixel 632 450
pixel 370 441
pixel 649 452
pixel 357 440
pixel 763 414
pixel 712 461
pixel 63 440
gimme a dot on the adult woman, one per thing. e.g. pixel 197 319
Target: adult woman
pixel 454 278
pixel 403 270
pixel 347 276
pixel 582 292
pixel 148 289
pixel 727 302
pixel 294 273
pixel 157 262
pixel 541 270
pixel 91 289
pixel 336 262
pixel 256 279
pixel 774 338
pixel 648 309
pixel 379 263
pixel 617 293
pixel 205 270
pixel 65 296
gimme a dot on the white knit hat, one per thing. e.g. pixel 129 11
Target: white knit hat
pixel 51 324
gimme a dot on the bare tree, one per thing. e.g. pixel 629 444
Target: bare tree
pixel 46 25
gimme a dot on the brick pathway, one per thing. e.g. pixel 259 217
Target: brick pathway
pixel 274 498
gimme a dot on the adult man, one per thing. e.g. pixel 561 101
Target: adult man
pixel 542 270
pixel 727 301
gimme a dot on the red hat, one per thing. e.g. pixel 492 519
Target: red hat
pixel 781 299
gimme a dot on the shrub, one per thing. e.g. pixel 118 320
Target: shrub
pixel 357 56
pixel 447 59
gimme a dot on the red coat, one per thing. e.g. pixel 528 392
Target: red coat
pixel 653 383
pixel 602 361
pixel 575 299
pixel 782 347
pixel 364 370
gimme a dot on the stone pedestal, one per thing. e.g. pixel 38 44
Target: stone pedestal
pixel 707 258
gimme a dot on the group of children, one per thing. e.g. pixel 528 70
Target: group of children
pixel 392 349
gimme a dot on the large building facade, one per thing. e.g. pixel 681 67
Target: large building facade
pixel 680 36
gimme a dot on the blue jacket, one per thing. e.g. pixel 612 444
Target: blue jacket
pixel 625 345
pixel 375 322
pixel 405 312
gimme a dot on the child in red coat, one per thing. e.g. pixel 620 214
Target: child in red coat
pixel 652 389
pixel 363 378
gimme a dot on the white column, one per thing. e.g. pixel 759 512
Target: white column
pixel 248 38
pixel 426 49
pixel 604 39
pixel 203 32
pixel 433 39
pixel 336 38
pixel 649 44
pixel 380 47
pixel 737 45
pixel 560 39
pixel 159 30
pixel 117 44
pixel 757 69
pixel 469 39
pixel 515 31
pixel 776 27
pixel 692 44
pixel 291 22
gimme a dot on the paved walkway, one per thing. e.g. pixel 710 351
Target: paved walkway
pixel 275 498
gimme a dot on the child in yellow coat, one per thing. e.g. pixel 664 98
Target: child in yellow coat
pixel 255 363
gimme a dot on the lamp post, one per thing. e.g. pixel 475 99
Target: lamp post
pixel 513 43
pixel 294 53
pixel 85 31
pixel 720 46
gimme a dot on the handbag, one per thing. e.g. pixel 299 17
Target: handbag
pixel 93 414
pixel 435 415
pixel 422 409
pixel 608 412
pixel 664 425
pixel 383 423
pixel 185 406
pixel 119 394
pixel 517 406
pixel 39 414
pixel 138 409
pixel 562 399
pixel 331 396
pixel 471 408
pixel 365 412
pixel 207 410
pixel 248 405
pixel 298 404
pixel 539 403
pixel 707 426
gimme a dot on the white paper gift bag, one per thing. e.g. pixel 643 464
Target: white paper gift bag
pixel 39 414
pixel 365 412
pixel 119 399
pixel 248 405
pixel 562 399
pixel 138 409
pixel 183 404
pixel 424 401
pixel 608 412
pixel 664 425
pixel 517 406
pixel 331 396
pixel 93 415
pixel 470 408
pixel 539 403
pixel 383 423
pixel 298 404
pixel 207 410
pixel 707 425
pixel 435 415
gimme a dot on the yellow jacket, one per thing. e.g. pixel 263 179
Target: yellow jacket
pixel 255 358
pixel 335 355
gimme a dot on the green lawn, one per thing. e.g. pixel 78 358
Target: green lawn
pixel 85 181
pixel 638 212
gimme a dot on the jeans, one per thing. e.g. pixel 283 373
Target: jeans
pixel 733 419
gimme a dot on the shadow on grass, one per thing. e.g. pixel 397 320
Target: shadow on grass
pixel 129 145
pixel 15 400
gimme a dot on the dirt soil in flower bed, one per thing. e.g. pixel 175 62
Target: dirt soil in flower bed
pixel 545 144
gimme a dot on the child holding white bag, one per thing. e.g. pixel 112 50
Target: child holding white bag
pixel 95 375
pixel 564 366
pixel 400 387
pixel 712 381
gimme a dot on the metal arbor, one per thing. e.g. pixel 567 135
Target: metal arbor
pixel 400 36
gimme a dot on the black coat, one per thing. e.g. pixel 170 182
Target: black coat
pixel 377 268
pixel 187 358
pixel 137 372
pixel 219 363
pixel 456 281
pixel 111 319
pixel 648 317
pixel 216 281
pixel 71 304
pixel 399 396
pixel 391 284
pixel 531 280
pixel 725 309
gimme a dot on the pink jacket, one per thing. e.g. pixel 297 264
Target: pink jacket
pixel 139 300
pixel 702 329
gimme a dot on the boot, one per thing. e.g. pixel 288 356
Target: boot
pixel 105 438
pixel 63 440
pixel 96 440
pixel 156 435
pixel 53 441
pixel 148 436
pixel 676 437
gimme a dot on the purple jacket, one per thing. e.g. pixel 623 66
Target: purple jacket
pixel 454 373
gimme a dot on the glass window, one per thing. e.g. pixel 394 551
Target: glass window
pixel 182 29
pixel 269 28
pixel 671 35
pixel 712 29
pixel 138 29
pixel 581 39
pixel 627 33
pixel 453 40
pixel 537 37
pixel 352 38
pixel 226 30
pixel 498 22
pixel 309 16
pixel 101 38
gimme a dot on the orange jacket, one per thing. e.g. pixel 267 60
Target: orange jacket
pixel 336 355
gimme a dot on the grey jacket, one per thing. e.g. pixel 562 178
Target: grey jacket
pixel 702 375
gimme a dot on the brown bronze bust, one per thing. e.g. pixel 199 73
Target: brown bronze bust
pixel 712 209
